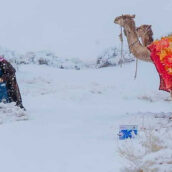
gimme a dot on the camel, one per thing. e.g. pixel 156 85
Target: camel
pixel 146 34
pixel 138 49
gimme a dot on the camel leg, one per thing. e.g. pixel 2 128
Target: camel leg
pixel 171 93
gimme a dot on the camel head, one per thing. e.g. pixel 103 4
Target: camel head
pixel 124 19
pixel 139 51
pixel 127 22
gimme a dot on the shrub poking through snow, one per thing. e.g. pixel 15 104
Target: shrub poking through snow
pixel 151 151
pixel 112 57
pixel 42 58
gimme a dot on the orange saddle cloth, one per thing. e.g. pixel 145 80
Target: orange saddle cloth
pixel 161 55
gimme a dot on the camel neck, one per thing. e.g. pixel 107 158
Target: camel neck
pixel 132 39
pixel 135 46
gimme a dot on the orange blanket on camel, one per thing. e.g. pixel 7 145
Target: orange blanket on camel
pixel 161 55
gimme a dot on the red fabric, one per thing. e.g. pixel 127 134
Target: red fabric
pixel 163 65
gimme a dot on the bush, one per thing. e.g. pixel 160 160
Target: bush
pixel 151 151
pixel 112 57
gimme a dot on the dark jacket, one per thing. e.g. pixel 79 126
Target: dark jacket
pixel 9 78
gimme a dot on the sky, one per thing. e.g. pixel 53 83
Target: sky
pixel 75 28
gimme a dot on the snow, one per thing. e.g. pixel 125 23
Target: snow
pixel 74 117
pixel 9 112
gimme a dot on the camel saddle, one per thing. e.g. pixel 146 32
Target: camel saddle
pixel 161 55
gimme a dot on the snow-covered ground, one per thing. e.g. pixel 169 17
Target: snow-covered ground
pixel 74 117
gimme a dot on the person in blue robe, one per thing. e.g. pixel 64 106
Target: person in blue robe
pixel 9 84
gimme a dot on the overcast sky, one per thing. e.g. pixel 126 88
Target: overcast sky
pixel 75 28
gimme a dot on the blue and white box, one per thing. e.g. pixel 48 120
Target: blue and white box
pixel 128 131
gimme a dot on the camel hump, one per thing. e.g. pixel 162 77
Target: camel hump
pixel 143 27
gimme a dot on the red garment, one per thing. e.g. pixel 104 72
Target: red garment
pixel 161 55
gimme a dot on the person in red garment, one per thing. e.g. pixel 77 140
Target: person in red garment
pixel 9 78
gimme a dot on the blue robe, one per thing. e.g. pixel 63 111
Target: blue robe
pixel 3 91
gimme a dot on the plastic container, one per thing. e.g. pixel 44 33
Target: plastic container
pixel 128 131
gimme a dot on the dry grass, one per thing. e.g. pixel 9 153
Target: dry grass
pixel 151 151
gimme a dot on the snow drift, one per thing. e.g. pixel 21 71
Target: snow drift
pixel 110 57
